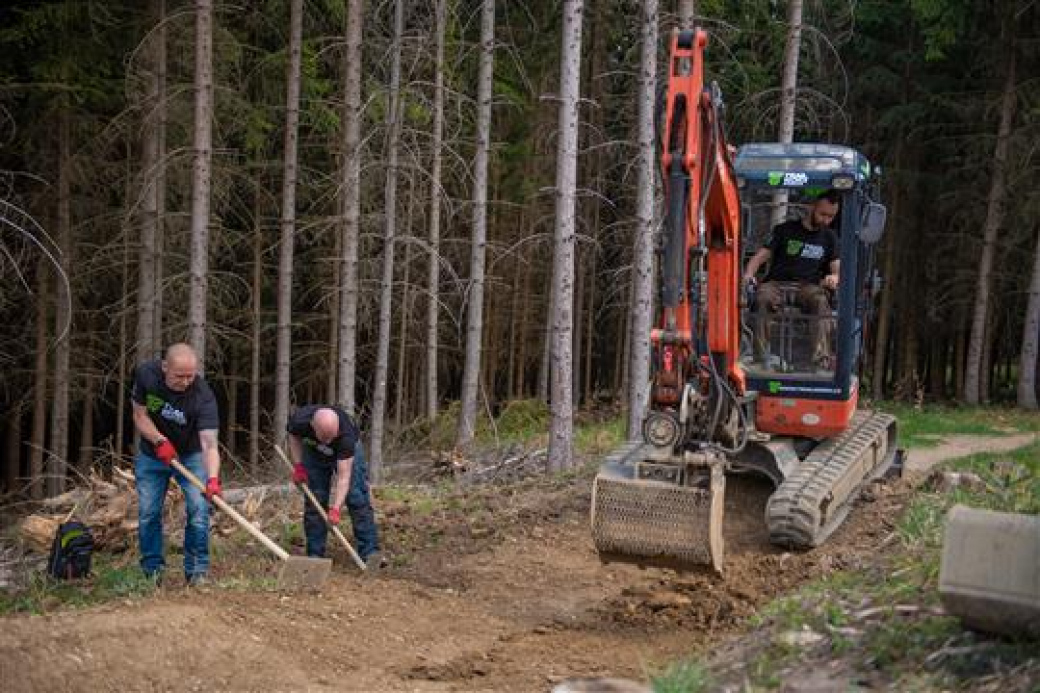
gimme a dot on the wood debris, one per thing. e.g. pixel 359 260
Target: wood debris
pixel 109 508
pixel 450 463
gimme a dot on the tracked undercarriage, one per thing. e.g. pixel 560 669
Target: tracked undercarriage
pixel 651 507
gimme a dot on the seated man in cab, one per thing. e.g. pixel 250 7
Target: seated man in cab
pixel 803 256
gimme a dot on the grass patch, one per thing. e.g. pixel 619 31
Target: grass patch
pixel 439 434
pixel 289 534
pixel 885 622
pixel 521 421
pixel 926 426
pixel 113 577
pixel 598 437
pixel 1011 481
pixel 687 676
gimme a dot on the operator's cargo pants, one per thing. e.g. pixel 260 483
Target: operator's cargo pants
pixel 812 300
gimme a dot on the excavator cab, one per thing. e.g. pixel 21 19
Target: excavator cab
pixel 781 350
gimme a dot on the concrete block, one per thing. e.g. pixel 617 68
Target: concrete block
pixel 990 572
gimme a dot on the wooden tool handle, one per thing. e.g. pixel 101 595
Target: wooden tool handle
pixel 234 514
pixel 321 511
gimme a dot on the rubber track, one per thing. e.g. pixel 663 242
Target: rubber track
pixel 803 511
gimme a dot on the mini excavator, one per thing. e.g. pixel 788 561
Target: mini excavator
pixel 734 388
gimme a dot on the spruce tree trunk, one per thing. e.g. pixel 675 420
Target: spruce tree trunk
pixel 58 446
pixel 159 188
pixel 283 360
pixel 40 376
pixel 255 349
pixel 231 385
pixel 788 95
pixel 201 178
pixel 400 385
pixel 590 322
pixel 511 349
pixel 520 383
pixel 152 150
pixel 351 205
pixel 86 428
pixel 489 353
pixel 1030 337
pixel 333 322
pixel 561 434
pixel 960 355
pixel 974 392
pixel 386 291
pixel 890 263
pixel 936 375
pixel 545 368
pixel 621 355
pixel 789 80
pixel 124 347
pixel 478 241
pixel 12 450
pixel 576 324
pixel 687 11
pixel 986 365
pixel 593 167
pixel 641 306
pixel 433 281
pixel 909 373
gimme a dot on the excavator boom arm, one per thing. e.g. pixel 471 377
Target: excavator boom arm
pixel 700 264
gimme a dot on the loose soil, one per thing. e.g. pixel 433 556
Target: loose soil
pixel 508 597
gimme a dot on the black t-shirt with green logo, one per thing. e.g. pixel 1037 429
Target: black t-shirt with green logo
pixel 179 416
pixel 340 448
pixel 800 254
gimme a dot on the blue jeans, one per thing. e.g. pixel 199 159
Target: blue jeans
pixel 153 478
pixel 359 504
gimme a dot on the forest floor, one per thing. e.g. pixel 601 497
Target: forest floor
pixel 495 588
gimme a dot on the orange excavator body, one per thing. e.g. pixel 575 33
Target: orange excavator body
pixel 712 408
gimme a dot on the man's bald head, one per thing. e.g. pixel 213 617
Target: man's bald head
pixel 325 423
pixel 180 365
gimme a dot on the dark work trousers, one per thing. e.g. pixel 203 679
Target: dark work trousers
pixel 359 504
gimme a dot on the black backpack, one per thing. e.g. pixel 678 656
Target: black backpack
pixel 71 551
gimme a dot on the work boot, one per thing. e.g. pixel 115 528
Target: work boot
pixel 198 581
pixel 374 562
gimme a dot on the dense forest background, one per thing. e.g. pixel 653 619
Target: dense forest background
pixel 109 244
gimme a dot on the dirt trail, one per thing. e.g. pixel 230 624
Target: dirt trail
pixel 961 446
pixel 517 610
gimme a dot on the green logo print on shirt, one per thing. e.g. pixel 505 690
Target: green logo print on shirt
pixel 794 247
pixel 153 403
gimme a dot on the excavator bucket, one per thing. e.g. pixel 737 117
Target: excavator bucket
pixel 652 513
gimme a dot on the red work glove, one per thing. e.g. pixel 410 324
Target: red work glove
pixel 334 516
pixel 164 451
pixel 213 488
pixel 299 474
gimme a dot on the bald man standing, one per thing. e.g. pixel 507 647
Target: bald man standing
pixel 175 413
pixel 322 440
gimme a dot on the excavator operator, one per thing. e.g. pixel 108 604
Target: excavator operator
pixel 804 255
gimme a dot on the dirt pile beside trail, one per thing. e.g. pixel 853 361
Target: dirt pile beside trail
pixel 500 589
